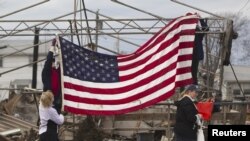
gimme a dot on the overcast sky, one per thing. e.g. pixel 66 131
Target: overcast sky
pixel 163 8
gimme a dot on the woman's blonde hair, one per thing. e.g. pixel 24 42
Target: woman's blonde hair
pixel 47 99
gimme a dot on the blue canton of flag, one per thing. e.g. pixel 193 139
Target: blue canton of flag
pixel 88 66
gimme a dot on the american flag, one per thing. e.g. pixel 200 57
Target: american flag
pixel 101 84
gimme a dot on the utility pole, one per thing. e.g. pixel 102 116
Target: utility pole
pixel 98 26
pixel 35 59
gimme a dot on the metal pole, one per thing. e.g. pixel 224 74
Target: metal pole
pixel 39 24
pixel 97 26
pixel 35 58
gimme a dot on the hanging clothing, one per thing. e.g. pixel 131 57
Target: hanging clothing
pixel 198 52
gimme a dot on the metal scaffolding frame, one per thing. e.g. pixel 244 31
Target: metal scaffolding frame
pixel 111 27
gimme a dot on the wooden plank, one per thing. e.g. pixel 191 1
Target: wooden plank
pixel 17 122
pixel 10 132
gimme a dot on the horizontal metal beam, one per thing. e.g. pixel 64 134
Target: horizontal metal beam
pixel 94 20
pixel 114 33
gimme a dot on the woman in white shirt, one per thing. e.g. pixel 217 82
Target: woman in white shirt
pixel 49 118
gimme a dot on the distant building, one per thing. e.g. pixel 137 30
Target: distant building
pixel 230 89
pixel 22 77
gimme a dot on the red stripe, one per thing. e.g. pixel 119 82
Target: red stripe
pixel 106 112
pixel 121 101
pixel 152 64
pixel 138 52
pixel 159 39
pixel 161 47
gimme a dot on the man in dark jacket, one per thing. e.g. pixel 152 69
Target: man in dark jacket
pixel 187 117
pixel 51 77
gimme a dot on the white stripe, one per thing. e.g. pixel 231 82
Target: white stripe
pixel 165 30
pixel 159 55
pixel 120 106
pixel 155 48
pixel 183 76
pixel 178 20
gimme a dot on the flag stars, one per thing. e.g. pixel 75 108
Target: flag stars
pixel 82 64
pixel 78 72
pixel 75 75
pixel 87 66
pixel 82 69
pixel 103 79
pixel 91 63
pixel 67 72
pixel 70 61
pixel 70 69
pixel 102 71
pixel 98 74
pixel 88 74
